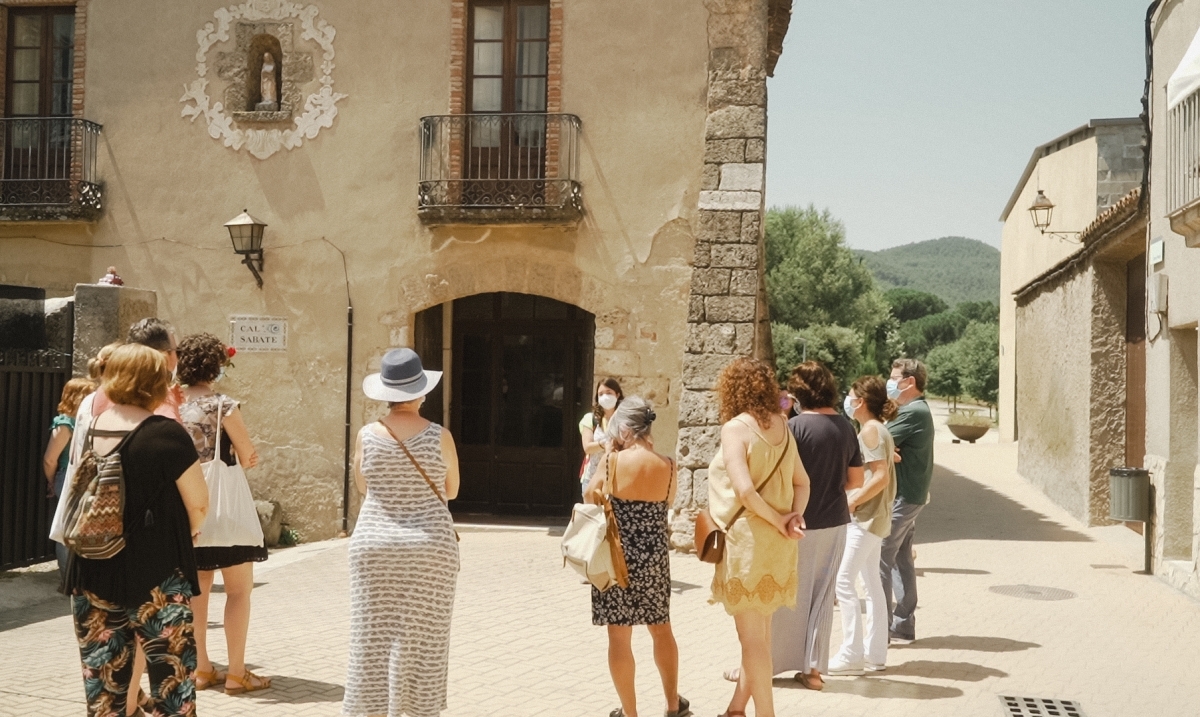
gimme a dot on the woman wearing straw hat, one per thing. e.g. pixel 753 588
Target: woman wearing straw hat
pixel 404 553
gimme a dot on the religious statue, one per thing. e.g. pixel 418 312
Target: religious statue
pixel 112 278
pixel 269 101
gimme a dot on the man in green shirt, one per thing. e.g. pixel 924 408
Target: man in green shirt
pixel 912 430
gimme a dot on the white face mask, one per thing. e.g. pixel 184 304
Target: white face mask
pixel 220 375
pixel 607 401
pixel 893 389
pixel 848 406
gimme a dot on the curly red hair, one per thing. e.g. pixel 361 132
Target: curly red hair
pixel 748 385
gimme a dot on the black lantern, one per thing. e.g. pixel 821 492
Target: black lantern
pixel 246 233
pixel 1041 210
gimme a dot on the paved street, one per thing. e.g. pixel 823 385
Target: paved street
pixel 1118 642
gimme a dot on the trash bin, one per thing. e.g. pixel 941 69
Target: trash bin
pixel 1129 494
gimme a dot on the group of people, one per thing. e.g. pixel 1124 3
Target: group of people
pixel 809 506
pixel 151 402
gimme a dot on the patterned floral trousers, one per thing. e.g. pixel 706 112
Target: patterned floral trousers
pixel 106 634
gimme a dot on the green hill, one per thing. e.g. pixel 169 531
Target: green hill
pixel 956 269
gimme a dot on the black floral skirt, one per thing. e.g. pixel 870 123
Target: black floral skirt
pixel 647 601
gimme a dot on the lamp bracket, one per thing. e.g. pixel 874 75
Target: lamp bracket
pixel 252 258
pixel 1064 236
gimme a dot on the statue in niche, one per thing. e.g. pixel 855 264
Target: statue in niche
pixel 268 91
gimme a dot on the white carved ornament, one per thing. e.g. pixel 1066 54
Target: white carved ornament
pixel 320 108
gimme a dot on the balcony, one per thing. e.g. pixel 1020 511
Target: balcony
pixel 500 169
pixel 49 169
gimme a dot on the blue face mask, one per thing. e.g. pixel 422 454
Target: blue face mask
pixel 893 389
pixel 220 375
pixel 848 406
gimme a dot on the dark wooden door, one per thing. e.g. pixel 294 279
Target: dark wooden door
pixel 518 387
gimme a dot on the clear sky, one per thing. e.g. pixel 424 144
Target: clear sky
pixel 913 119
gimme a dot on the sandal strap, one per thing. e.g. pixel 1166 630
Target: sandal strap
pixel 248 679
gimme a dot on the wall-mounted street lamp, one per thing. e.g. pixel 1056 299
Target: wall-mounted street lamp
pixel 246 233
pixel 1042 210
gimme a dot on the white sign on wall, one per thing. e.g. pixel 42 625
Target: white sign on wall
pixel 258 333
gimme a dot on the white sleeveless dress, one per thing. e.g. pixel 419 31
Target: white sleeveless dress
pixel 403 570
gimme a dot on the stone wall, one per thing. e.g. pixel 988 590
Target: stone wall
pixel 103 314
pixel 725 305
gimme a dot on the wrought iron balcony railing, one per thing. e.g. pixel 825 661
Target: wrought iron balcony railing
pixel 49 169
pixel 500 168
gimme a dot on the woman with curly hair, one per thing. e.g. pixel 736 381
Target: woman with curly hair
pixel 829 448
pixel 202 361
pixel 871 522
pixel 757 491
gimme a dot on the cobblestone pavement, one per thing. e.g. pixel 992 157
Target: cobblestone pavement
pixel 1121 644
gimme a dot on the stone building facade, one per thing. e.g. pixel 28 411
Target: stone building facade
pixel 593 210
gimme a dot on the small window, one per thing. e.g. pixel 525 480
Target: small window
pixel 41 62
pixel 509 41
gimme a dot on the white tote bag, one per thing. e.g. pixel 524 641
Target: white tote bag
pixel 591 544
pixel 232 518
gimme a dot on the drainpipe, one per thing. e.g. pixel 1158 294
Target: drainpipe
pixel 349 379
pixel 1145 116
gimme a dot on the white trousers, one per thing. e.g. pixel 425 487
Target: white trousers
pixel 861 559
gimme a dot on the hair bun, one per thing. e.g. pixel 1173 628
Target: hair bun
pixel 650 416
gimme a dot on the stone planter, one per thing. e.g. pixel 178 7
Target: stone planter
pixel 970 434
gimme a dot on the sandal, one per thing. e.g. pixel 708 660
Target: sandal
pixel 684 708
pixel 205 679
pixel 248 682
pixel 618 712
pixel 809 682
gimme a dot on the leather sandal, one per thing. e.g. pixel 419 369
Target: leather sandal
pixel 684 710
pixel 205 679
pixel 248 682
pixel 809 682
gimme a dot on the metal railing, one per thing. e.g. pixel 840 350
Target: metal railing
pixel 49 168
pixel 1183 153
pixel 500 167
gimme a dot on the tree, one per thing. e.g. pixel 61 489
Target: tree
pixel 813 278
pixel 839 348
pixel 979 356
pixel 944 366
pixel 920 336
pixel 910 304
pixel 985 312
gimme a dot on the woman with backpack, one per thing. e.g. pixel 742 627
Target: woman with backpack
pixel 146 586
pixel 218 430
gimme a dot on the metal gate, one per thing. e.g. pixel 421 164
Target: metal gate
pixel 31 384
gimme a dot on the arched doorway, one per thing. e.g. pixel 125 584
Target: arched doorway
pixel 518 372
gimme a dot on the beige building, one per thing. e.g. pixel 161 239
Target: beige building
pixel 1172 431
pixel 533 193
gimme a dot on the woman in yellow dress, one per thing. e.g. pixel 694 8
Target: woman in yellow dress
pixel 758 473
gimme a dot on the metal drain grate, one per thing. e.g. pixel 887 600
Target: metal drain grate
pixel 1039 707
pixel 1032 592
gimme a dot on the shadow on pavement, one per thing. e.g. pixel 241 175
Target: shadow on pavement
pixel 921 572
pixel 967 642
pixel 961 509
pixel 880 687
pixel 966 671
pixel 49 610
pixel 295 691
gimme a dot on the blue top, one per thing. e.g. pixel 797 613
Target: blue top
pixel 63 419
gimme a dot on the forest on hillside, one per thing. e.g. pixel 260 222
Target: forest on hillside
pixel 955 269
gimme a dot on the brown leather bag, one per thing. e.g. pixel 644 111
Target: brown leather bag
pixel 710 536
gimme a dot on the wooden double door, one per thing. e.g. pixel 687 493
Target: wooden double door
pixel 520 379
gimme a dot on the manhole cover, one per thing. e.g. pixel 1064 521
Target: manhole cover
pixel 1039 707
pixel 1032 592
